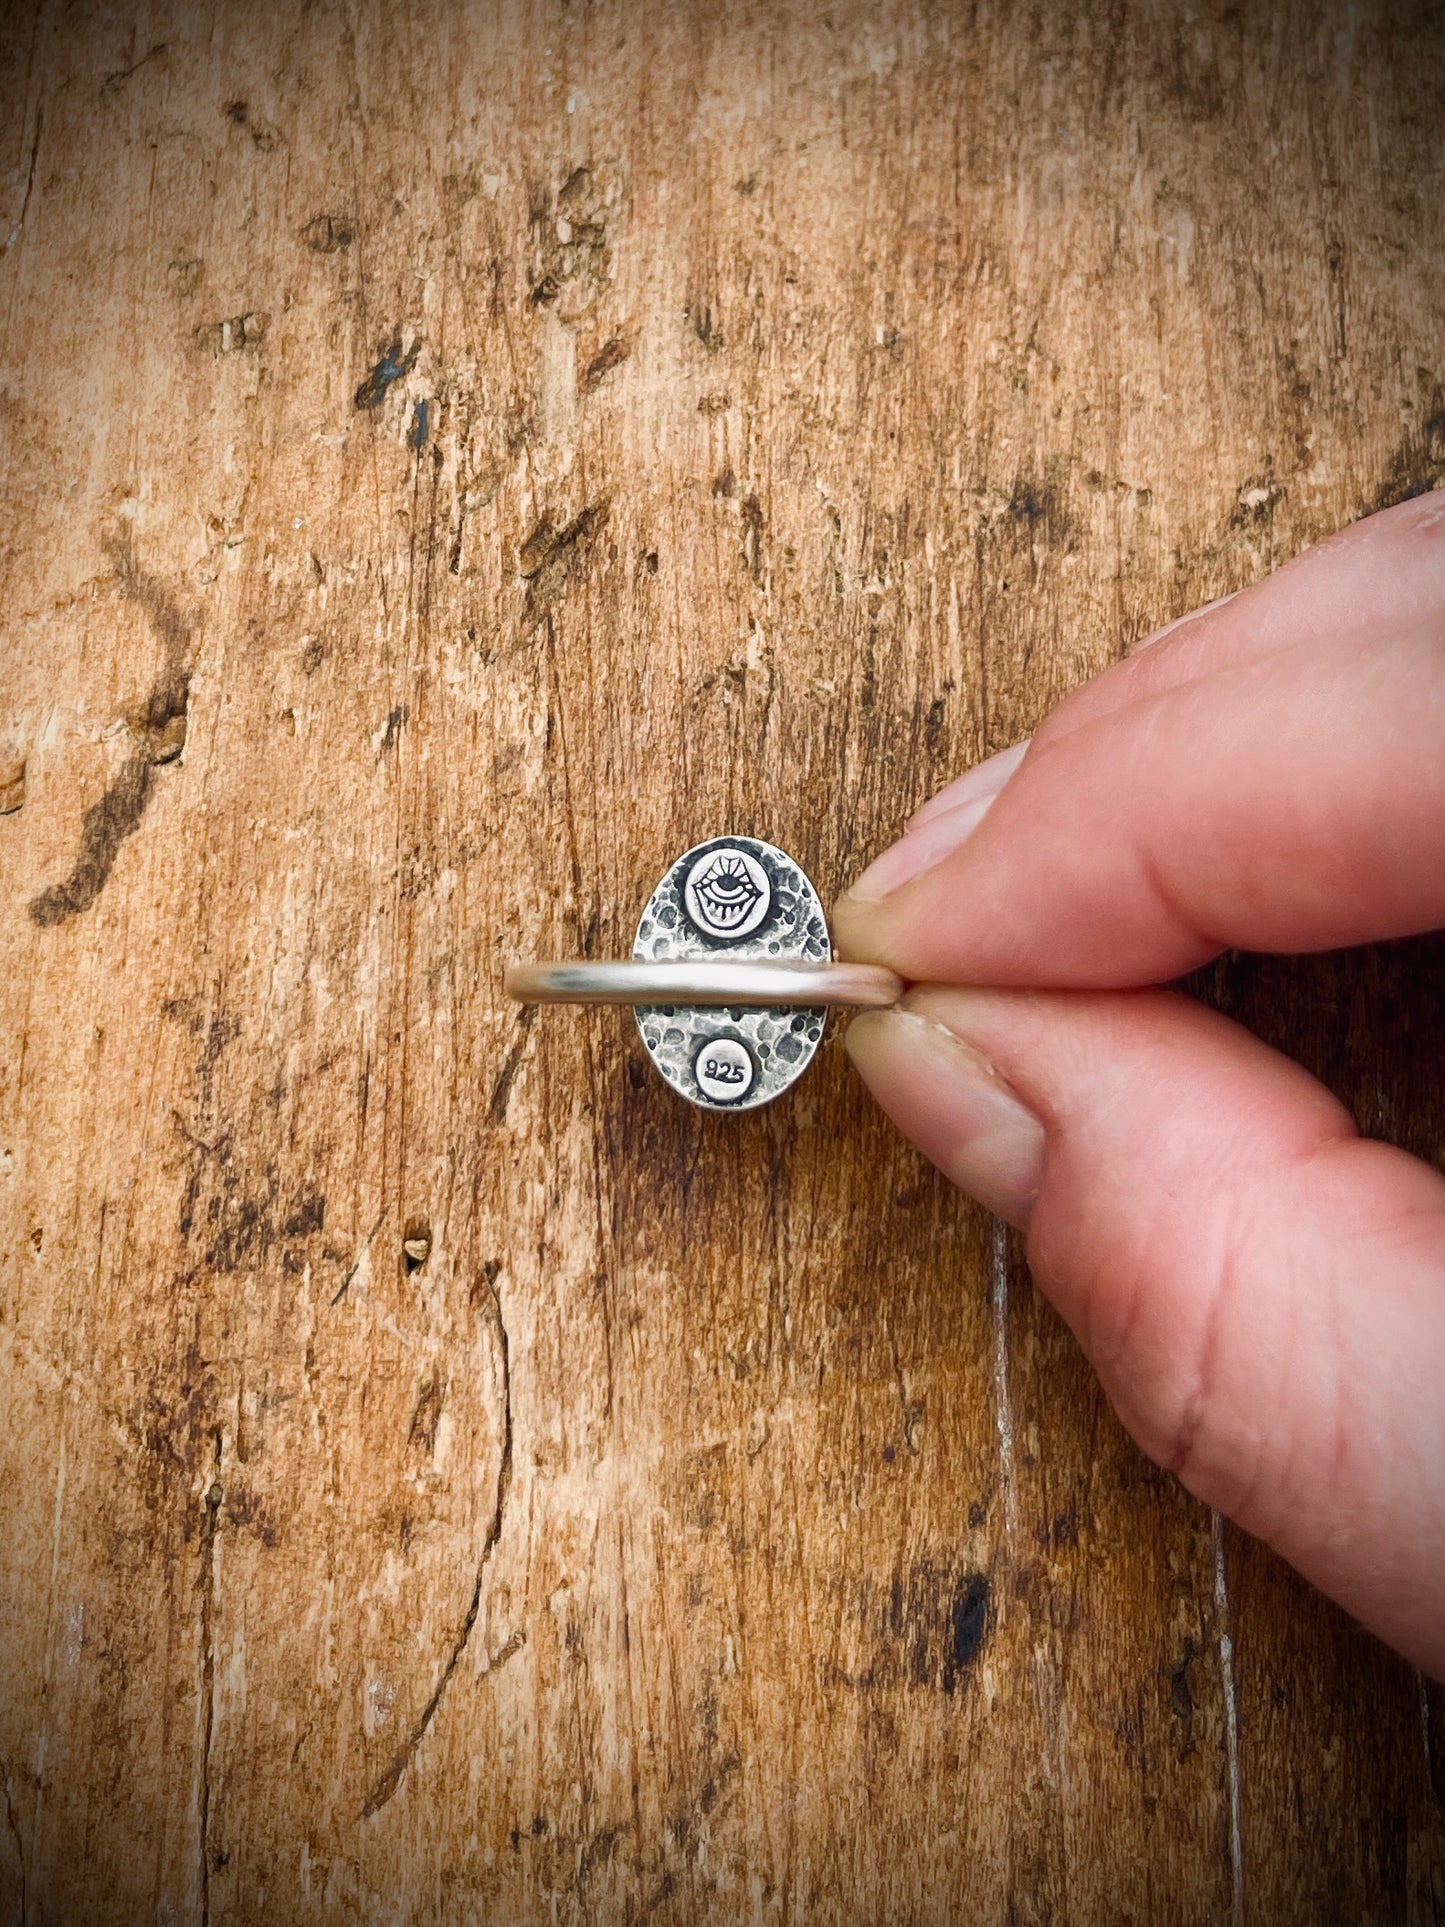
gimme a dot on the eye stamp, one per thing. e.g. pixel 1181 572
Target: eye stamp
pixel 727 894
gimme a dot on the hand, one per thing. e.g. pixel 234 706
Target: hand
pixel 1261 1291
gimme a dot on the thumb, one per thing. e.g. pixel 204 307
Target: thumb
pixel 1261 1291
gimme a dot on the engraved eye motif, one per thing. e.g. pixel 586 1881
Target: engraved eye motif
pixel 727 894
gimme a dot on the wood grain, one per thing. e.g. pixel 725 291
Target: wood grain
pixel 454 458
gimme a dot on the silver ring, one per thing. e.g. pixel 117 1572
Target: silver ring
pixel 731 975
pixel 710 986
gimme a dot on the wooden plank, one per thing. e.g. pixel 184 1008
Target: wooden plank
pixel 454 459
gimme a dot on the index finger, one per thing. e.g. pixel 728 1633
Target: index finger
pixel 1292 801
pixel 1382 572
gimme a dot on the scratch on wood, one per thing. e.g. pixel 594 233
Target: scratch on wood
pixel 1224 1621
pixel 559 711
pixel 715 1799
pixel 343 1287
pixel 113 82
pixel 506 1076
pixel 596 1853
pixel 43 1743
pixel 14 235
pixel 1003 1403
pixel 206 1581
pixel 392 1778
pixel 426 1416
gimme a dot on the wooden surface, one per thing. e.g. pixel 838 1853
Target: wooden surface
pixel 453 459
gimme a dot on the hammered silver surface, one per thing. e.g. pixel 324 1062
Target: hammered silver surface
pixel 779 1042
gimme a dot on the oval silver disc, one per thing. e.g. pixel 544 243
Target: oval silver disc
pixel 732 897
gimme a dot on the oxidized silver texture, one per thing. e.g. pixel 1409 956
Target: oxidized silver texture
pixel 732 897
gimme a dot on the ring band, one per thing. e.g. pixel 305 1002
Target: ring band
pixel 730 975
pixel 705 985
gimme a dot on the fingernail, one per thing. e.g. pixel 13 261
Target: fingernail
pixel 984 779
pixel 1204 609
pixel 954 1105
pixel 918 850
pixel 939 827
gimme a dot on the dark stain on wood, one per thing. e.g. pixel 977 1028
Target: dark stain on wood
pixel 103 828
pixel 551 556
pixel 1416 467
pixel 925 1631
pixel 393 364
pixel 611 355
pixel 328 233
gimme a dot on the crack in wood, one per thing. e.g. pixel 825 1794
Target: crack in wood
pixel 1003 1402
pixel 713 1803
pixel 391 1779
pixel 14 1825
pixel 18 229
pixel 206 1580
